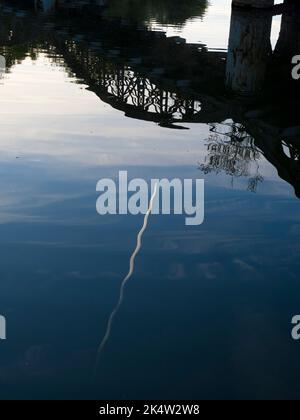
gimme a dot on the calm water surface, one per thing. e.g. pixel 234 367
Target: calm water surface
pixel 207 312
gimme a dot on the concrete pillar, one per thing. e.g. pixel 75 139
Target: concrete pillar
pixel 288 43
pixel 249 50
pixel 253 3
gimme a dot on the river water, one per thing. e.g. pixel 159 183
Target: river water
pixel 207 312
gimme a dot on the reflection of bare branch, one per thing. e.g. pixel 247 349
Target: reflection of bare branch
pixel 232 150
pixel 294 152
pixel 253 183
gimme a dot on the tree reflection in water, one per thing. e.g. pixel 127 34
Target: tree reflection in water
pixel 167 12
pixel 230 149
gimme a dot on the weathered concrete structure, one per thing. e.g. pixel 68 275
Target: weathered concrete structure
pixel 249 50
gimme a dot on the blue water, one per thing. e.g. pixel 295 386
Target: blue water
pixel 207 313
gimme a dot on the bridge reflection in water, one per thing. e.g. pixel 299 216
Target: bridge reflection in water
pixel 165 80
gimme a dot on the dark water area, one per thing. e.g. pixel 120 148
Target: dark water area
pixel 157 88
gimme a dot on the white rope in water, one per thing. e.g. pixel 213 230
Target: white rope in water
pixel 125 280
